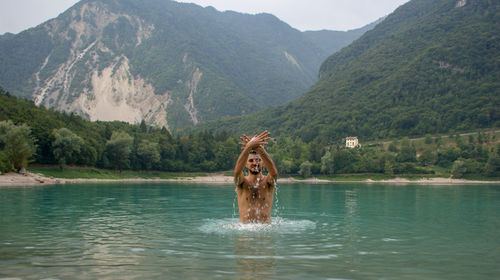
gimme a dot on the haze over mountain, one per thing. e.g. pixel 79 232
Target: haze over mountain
pixel 332 41
pixel 170 64
pixel 429 67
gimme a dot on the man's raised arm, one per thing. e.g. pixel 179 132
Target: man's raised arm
pixel 272 174
pixel 248 145
pixel 240 165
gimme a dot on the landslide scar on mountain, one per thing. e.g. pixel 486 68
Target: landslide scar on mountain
pixel 117 95
pixel 193 86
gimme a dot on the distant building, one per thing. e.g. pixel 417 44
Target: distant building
pixel 351 142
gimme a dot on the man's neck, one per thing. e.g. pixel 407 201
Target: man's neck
pixel 253 178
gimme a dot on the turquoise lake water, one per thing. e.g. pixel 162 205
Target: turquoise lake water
pixel 191 231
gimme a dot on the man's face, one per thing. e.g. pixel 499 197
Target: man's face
pixel 254 164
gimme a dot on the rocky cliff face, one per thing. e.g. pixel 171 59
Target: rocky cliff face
pixel 164 62
pixel 87 84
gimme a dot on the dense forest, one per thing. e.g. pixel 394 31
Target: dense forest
pixel 42 136
pixel 67 139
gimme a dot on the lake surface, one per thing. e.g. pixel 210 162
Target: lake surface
pixel 190 231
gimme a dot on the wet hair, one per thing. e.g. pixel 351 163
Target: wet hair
pixel 253 152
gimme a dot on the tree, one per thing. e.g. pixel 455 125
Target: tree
pixel 479 137
pixel 87 155
pixel 392 147
pixel 118 149
pixel 427 157
pixel 407 152
pixel 459 169
pixel 388 168
pixel 143 127
pixel 327 164
pixel 492 168
pixel 343 160
pixel 5 165
pixel 285 166
pixel 226 154
pixel 16 143
pixel 65 146
pixel 305 169
pixel 447 156
pixel 148 153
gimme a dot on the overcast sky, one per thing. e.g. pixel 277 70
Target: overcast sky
pixel 18 15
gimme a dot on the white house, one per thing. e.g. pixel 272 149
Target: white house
pixel 351 142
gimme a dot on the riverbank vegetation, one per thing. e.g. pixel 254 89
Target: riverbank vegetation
pixel 46 137
pixel 66 139
pixel 472 156
pixel 78 172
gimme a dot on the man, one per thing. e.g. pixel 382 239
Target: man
pixel 255 191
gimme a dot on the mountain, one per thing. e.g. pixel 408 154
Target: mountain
pixel 170 64
pixel 429 67
pixel 332 41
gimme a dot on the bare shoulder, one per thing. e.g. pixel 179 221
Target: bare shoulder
pixel 270 181
pixel 241 181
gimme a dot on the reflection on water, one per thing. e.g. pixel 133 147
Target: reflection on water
pixel 351 229
pixel 255 244
pixel 182 231
pixel 255 256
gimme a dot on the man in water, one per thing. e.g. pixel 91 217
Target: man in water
pixel 255 191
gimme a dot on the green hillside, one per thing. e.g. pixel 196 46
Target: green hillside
pixel 430 67
pixel 48 138
pixel 101 144
pixel 211 64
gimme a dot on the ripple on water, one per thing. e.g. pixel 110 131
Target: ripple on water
pixel 278 225
pixel 137 249
pixel 390 239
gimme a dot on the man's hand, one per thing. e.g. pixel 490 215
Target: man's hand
pixel 244 141
pixel 256 143
pixel 258 140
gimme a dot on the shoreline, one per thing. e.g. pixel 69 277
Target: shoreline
pixel 31 179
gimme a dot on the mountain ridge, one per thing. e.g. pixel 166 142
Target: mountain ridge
pixel 429 67
pixel 164 62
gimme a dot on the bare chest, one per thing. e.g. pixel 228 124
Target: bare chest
pixel 257 194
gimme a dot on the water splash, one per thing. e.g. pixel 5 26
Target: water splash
pixel 278 225
pixel 256 185
pixel 234 202
pixel 276 205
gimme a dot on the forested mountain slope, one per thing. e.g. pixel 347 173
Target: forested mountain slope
pixel 170 64
pixel 430 67
pixel 112 145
